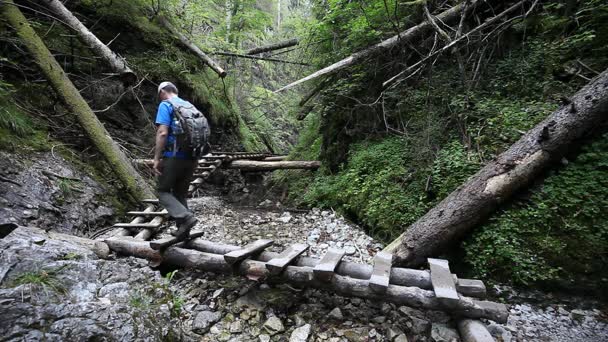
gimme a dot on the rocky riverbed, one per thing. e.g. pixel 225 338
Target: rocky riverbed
pixel 124 299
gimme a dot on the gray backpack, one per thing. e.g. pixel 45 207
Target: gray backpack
pixel 190 128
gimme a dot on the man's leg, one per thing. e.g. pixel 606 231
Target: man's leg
pixel 165 187
pixel 182 183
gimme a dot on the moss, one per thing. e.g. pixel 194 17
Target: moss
pixel 132 181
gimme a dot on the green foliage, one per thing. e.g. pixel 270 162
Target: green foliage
pixel 561 231
pixel 17 130
pixel 44 279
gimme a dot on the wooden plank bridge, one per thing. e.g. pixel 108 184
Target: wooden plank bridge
pixel 433 289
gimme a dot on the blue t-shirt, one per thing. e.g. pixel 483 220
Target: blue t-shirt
pixel 164 116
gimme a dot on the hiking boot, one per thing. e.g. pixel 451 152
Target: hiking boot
pixel 183 229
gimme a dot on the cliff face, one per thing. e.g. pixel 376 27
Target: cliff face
pixel 58 290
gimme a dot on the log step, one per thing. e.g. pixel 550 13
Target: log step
pixel 148 213
pixel 326 267
pixel 247 251
pixel 138 225
pixel 161 244
pixel 381 272
pixel 197 181
pixel 205 168
pixel 442 280
pixel 278 264
pixel 150 201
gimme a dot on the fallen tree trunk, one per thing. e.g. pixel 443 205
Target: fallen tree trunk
pixel 266 164
pixel 65 89
pixel 269 59
pixel 255 165
pixel 481 194
pixel 272 47
pixel 304 277
pixel 190 45
pixel 453 44
pixel 117 63
pixel 407 36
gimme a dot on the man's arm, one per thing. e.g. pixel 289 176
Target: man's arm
pixel 161 138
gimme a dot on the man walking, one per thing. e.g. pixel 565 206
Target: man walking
pixel 181 129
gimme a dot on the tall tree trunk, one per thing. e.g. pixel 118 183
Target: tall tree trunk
pixel 450 16
pixel 193 47
pixel 117 63
pixel 515 168
pixel 273 47
pixel 95 130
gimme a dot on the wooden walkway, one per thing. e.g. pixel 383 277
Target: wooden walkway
pixel 433 289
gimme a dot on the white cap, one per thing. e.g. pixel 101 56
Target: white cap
pixel 164 84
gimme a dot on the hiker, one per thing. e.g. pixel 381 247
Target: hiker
pixel 181 138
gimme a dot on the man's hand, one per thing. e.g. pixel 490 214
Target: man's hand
pixel 157 167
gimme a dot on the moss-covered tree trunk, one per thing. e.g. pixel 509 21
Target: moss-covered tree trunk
pixel 514 169
pixel 66 90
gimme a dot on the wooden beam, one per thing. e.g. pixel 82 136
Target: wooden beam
pixel 254 165
pixel 247 251
pixel 278 264
pixel 325 269
pixel 442 280
pixel 381 273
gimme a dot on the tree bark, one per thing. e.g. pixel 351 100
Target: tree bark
pixel 190 45
pixel 479 196
pixel 254 165
pixel 273 47
pixel 133 182
pixel 407 36
pixel 117 63
pixel 269 59
pixel 303 276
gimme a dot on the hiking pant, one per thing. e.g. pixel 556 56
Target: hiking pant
pixel 172 186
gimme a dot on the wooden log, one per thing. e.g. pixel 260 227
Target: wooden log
pixel 144 225
pixel 278 264
pixel 139 219
pixel 275 158
pixel 304 276
pixel 381 272
pixel 512 170
pixel 254 165
pixel 474 331
pixel 147 233
pixel 449 16
pixel 274 46
pixel 148 213
pixel 117 63
pixel 325 269
pixel 195 49
pixel 399 276
pixel 247 251
pixel 268 59
pixel 134 184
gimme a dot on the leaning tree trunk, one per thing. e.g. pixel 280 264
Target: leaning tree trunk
pixel 190 45
pixel 273 47
pixel 479 196
pixel 117 63
pixel 407 36
pixel 134 183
